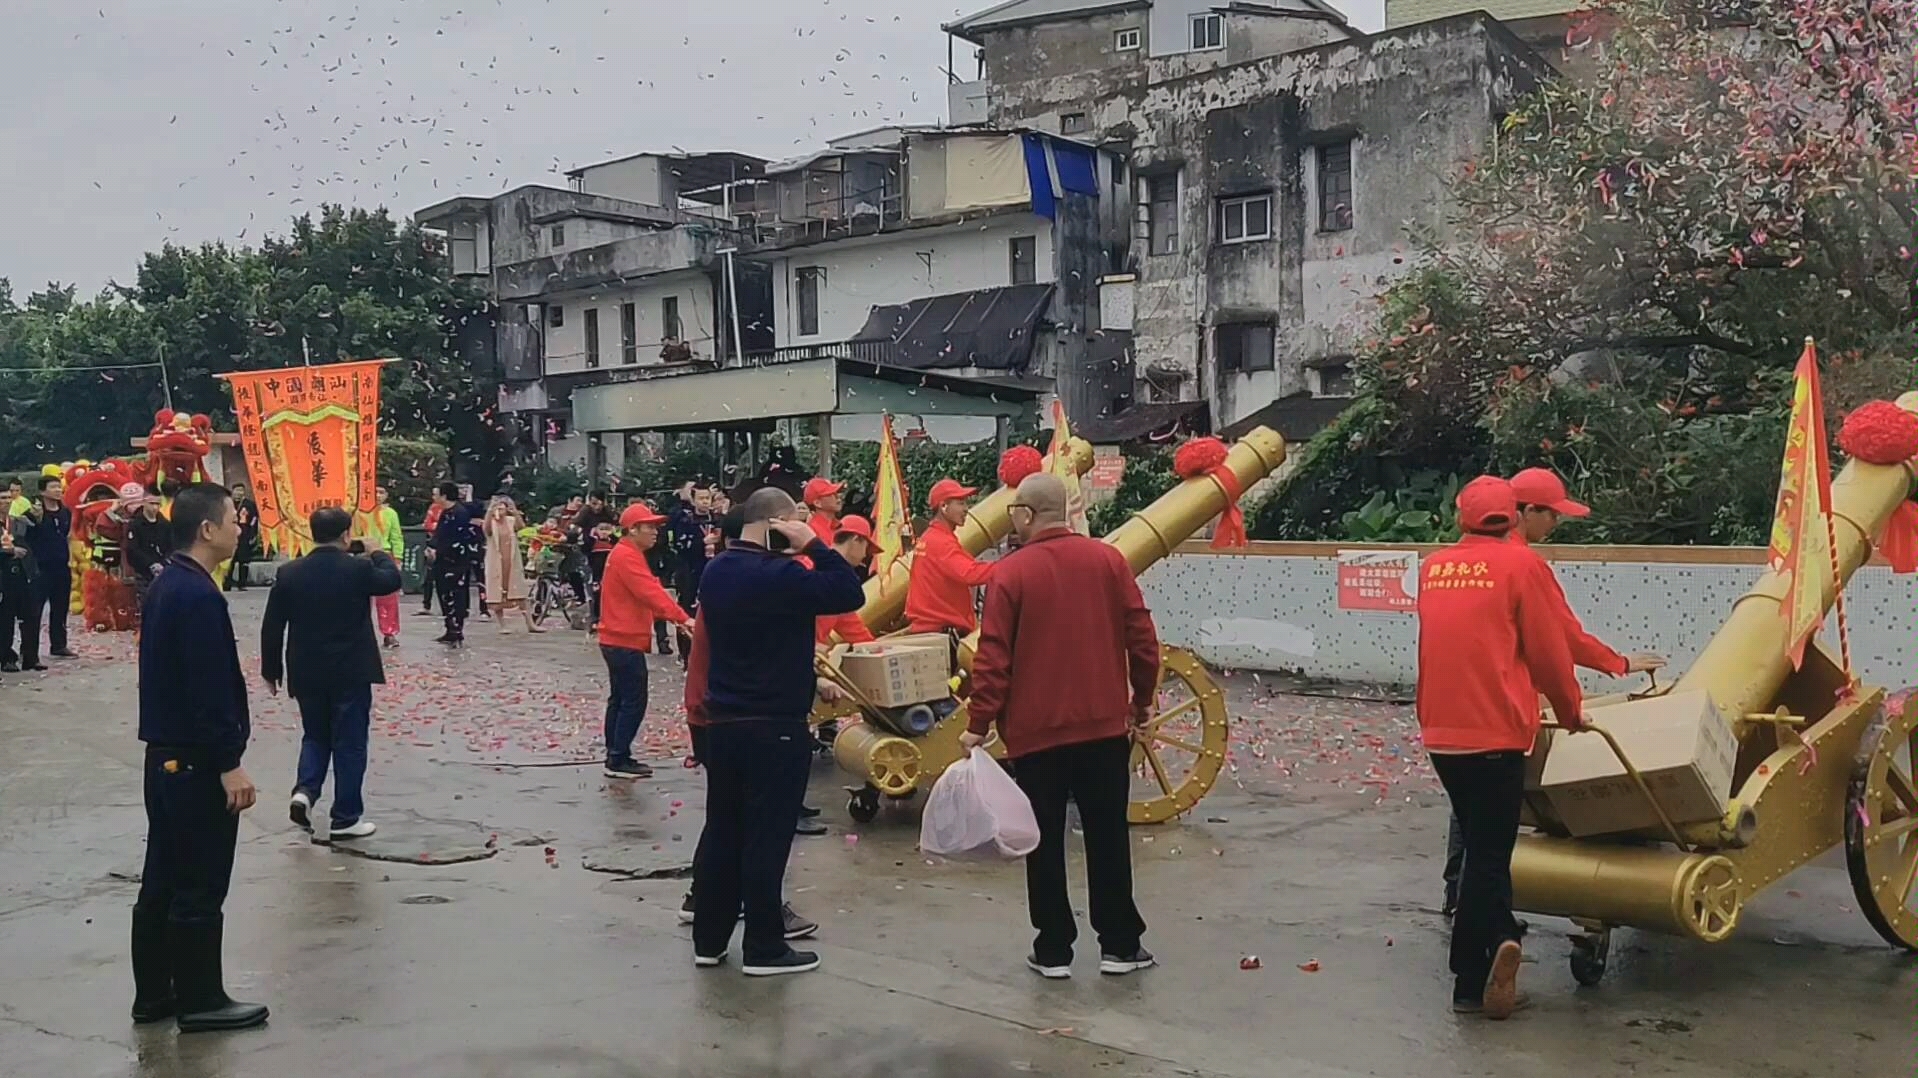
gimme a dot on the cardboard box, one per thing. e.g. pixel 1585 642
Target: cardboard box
pixel 891 674
pixel 1682 746
pixel 1536 811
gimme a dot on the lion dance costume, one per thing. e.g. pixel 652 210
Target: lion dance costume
pixel 104 496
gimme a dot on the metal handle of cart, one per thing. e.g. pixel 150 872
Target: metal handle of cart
pixel 1638 779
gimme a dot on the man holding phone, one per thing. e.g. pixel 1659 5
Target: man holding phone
pixel 318 638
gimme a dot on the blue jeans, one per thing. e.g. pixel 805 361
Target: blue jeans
pixel 334 728
pixel 625 700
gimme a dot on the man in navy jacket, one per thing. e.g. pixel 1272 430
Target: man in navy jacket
pixel 193 718
pixel 759 605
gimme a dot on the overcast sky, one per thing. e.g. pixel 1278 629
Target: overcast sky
pixel 132 123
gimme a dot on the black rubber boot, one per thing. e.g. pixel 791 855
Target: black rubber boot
pixel 203 1003
pixel 152 967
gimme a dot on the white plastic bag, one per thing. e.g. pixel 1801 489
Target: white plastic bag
pixel 976 812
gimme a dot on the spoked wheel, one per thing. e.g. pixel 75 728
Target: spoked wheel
pixel 1178 754
pixel 542 605
pixel 1881 825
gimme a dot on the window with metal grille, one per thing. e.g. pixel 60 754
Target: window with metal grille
pixel 1243 347
pixel 1024 254
pixel 628 334
pixel 592 336
pixel 1335 186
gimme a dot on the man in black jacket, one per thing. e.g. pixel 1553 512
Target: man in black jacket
pixel 48 523
pixel 760 605
pixel 331 663
pixel 149 544
pixel 454 555
pixel 19 576
pixel 193 718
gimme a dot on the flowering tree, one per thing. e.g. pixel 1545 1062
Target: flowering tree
pixel 1720 180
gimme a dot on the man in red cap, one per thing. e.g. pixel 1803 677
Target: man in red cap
pixel 939 593
pixel 1490 643
pixel 853 540
pixel 1542 502
pixel 630 598
pixel 825 498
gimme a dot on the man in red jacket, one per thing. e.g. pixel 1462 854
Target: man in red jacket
pixel 1542 503
pixel 939 592
pixel 825 498
pixel 1490 643
pixel 631 597
pixel 852 538
pixel 1066 668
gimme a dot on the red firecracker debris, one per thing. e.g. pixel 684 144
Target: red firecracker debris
pixel 1250 961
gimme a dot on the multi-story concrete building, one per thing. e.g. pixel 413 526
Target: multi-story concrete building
pixel 1281 164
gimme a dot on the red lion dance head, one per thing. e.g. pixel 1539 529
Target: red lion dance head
pixel 99 496
pixel 177 449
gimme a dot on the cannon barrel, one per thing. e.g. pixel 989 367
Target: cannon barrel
pixel 1157 530
pixel 1746 662
pixel 987 524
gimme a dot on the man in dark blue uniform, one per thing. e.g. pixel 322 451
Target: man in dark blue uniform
pixel 454 554
pixel 193 718
pixel 48 523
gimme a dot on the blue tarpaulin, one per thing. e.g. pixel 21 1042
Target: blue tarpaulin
pixel 1056 168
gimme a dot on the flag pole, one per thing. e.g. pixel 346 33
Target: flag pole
pixel 1831 535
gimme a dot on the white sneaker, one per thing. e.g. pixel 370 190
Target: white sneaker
pixel 1050 973
pixel 300 810
pixel 704 961
pixel 358 830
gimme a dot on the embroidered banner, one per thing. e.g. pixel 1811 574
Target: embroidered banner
pixel 311 438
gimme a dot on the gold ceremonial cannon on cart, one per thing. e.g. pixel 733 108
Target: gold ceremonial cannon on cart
pixel 1182 747
pixel 1814 771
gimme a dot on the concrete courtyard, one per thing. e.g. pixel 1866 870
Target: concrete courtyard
pixel 515 916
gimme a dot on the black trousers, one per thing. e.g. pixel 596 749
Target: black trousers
pixel 454 582
pixel 756 773
pixel 597 561
pixel 1097 775
pixel 49 599
pixel 1486 790
pixel 16 606
pixel 190 840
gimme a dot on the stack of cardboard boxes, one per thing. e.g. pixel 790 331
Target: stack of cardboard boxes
pixel 900 670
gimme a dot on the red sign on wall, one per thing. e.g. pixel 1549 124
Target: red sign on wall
pixel 1106 473
pixel 1379 581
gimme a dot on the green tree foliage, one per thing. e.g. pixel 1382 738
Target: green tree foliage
pixel 351 284
pixel 1635 263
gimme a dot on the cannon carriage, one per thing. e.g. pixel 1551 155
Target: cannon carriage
pixel 1180 750
pixel 1821 764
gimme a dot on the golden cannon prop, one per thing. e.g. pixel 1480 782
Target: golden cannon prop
pixel 1816 769
pixel 1181 748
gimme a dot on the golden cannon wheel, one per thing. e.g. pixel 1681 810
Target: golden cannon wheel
pixel 1881 824
pixel 1178 754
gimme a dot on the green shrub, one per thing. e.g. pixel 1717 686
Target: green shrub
pixel 410 469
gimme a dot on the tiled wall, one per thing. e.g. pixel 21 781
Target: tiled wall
pixel 1277 612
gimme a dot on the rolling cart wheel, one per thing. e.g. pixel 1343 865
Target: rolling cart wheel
pixel 1590 955
pixel 863 805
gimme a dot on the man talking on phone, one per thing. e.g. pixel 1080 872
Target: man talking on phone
pixel 759 606
pixel 318 639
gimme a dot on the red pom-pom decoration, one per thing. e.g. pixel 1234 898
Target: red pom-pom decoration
pixel 1019 462
pixel 163 417
pixel 1197 457
pixel 1880 433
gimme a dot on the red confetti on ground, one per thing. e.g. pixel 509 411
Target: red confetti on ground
pixel 1310 965
pixel 1251 961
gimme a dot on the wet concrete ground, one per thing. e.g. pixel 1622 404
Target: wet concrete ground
pixel 541 939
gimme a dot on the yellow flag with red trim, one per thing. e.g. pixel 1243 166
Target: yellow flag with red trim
pixel 1801 535
pixel 1059 462
pixel 891 523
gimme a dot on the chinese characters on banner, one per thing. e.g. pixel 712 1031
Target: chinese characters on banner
pixel 1379 581
pixel 1801 537
pixel 311 438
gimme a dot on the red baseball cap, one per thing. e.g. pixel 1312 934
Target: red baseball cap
pixel 1487 504
pixel 946 490
pixel 854 526
pixel 820 487
pixel 1542 486
pixel 639 513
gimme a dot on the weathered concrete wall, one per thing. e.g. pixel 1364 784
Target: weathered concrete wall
pixel 1265 611
pixel 516 238
pixel 1037 73
pixel 1417 103
pixel 566 345
pixel 607 264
